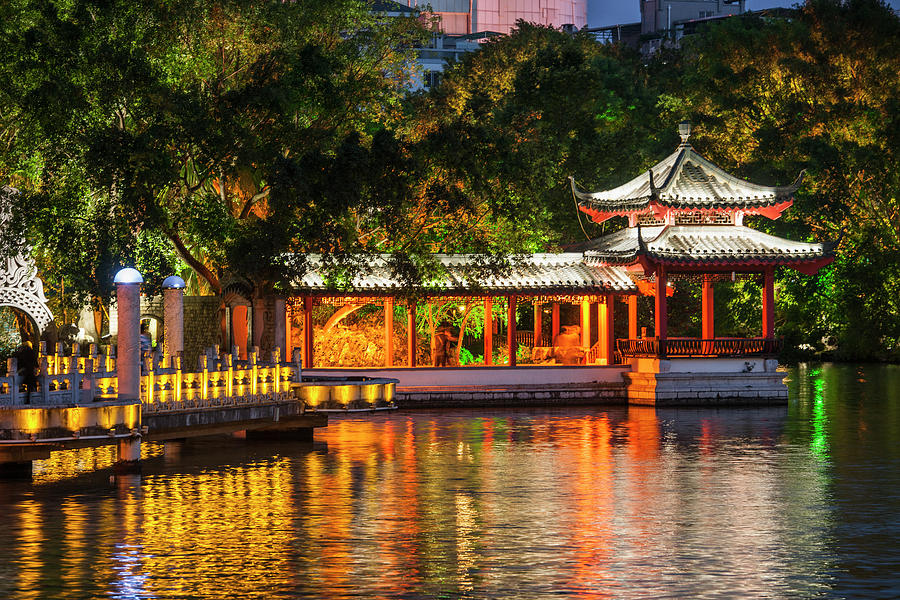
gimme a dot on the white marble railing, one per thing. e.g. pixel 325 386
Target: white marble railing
pixel 165 384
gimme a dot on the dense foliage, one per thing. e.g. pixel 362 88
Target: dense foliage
pixel 211 137
pixel 768 96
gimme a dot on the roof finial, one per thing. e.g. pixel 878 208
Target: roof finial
pixel 684 130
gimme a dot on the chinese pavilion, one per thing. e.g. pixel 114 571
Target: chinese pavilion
pixel 685 219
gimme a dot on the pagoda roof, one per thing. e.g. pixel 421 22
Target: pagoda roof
pixel 684 180
pixel 465 274
pixel 707 246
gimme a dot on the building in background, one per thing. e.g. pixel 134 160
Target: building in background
pixel 466 17
pixel 665 22
pixel 663 15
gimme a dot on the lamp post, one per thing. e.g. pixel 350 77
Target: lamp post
pixel 128 355
pixel 128 358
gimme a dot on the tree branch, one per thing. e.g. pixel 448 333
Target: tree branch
pixel 194 263
pixel 253 200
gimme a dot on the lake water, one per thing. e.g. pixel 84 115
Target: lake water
pixel 801 501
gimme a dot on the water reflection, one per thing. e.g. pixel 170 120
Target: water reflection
pixel 798 501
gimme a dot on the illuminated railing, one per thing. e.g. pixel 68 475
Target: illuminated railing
pixel 694 347
pixel 165 385
pixel 220 381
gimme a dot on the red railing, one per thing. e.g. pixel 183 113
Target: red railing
pixel 688 347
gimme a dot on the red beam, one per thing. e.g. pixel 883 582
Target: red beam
pixel 632 317
pixel 411 333
pixel 708 310
pixel 554 318
pixel 586 324
pixel 661 321
pixel 606 330
pixel 389 332
pixel 308 358
pixel 488 331
pixel 511 329
pixel 768 312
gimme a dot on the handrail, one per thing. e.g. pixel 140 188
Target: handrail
pixel 164 382
pixel 696 347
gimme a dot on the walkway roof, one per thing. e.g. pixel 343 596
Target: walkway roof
pixel 467 275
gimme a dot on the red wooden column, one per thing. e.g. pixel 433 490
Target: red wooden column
pixel 538 325
pixel 411 333
pixel 389 332
pixel 632 317
pixel 661 317
pixel 585 323
pixel 708 320
pixel 488 331
pixel 511 329
pixel 606 330
pixel 768 312
pixel 554 323
pixel 308 358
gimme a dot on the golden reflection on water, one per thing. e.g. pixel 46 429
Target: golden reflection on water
pixel 630 502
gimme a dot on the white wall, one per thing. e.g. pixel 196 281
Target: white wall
pixel 485 376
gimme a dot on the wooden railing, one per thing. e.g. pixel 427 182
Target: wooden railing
pixel 694 347
pixel 164 383
pixel 524 338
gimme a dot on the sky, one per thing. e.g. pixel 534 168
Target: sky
pixel 612 12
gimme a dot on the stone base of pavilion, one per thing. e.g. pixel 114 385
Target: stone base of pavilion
pixel 705 382
pixel 497 386
pixel 644 381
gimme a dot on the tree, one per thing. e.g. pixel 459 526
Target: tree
pixel 157 133
pixel 508 124
pixel 817 92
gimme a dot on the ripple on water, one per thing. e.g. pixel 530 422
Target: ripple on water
pixel 785 502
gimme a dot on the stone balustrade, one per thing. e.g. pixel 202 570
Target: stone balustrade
pixel 84 379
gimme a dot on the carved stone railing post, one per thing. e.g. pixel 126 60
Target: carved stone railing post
pixel 276 361
pixel 254 369
pixel 12 369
